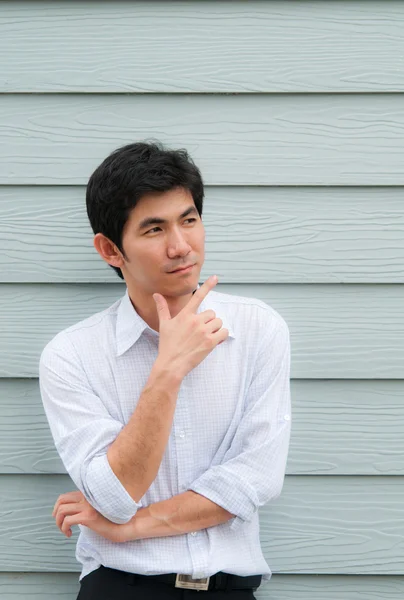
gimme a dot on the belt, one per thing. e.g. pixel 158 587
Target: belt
pixel 218 581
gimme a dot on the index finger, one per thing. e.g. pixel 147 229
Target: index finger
pixel 67 497
pixel 201 293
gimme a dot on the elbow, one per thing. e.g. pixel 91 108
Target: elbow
pixel 105 492
pixel 136 487
pixel 273 490
pixel 278 486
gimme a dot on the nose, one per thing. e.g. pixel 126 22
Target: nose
pixel 177 245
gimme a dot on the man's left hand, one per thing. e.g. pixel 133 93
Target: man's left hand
pixel 72 508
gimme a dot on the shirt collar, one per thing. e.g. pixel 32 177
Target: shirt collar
pixel 130 325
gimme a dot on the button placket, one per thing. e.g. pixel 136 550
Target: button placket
pixel 198 550
pixel 183 440
pixel 186 475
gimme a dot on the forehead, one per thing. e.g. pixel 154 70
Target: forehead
pixel 166 205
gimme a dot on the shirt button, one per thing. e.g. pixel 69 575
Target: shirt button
pixel 287 417
pixel 193 532
pixel 181 434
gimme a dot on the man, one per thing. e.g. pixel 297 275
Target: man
pixel 171 408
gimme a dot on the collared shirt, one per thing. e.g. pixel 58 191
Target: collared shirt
pixel 229 439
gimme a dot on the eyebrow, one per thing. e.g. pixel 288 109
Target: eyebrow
pixel 157 221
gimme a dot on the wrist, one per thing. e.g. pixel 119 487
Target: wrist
pixel 128 531
pixel 165 375
pixel 135 529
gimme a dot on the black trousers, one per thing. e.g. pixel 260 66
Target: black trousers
pixel 108 584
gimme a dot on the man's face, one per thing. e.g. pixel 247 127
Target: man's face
pixel 155 249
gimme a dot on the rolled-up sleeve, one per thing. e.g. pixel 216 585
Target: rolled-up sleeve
pixel 253 469
pixel 82 430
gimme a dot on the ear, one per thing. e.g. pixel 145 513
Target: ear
pixel 108 250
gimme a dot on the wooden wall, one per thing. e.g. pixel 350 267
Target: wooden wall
pixel 295 113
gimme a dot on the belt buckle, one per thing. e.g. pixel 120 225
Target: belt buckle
pixel 186 582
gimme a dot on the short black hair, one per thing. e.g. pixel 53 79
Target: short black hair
pixel 130 172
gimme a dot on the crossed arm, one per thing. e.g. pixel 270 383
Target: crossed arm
pixel 251 473
pixel 180 514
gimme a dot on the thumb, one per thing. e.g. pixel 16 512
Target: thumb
pixel 163 311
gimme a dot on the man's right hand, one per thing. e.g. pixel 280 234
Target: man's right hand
pixel 187 338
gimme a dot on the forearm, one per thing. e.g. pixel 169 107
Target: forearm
pixel 136 454
pixel 180 514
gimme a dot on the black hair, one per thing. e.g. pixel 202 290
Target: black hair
pixel 130 172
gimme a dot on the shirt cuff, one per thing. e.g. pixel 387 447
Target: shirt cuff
pixel 111 498
pixel 220 486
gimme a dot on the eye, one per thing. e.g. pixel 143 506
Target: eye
pixel 191 219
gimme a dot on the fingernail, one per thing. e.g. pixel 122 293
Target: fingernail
pixel 214 278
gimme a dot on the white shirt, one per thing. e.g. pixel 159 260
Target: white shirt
pixel 229 439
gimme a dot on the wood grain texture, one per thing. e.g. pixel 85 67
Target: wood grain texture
pixel 65 586
pixel 253 234
pixel 324 525
pixel 247 139
pixel 257 93
pixel 338 428
pixel 337 332
pixel 202 46
pixel 39 586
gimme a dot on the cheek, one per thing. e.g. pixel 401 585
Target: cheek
pixel 153 260
pixel 144 259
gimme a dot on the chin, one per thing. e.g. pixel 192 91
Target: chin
pixel 187 287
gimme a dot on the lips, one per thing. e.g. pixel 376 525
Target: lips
pixel 182 269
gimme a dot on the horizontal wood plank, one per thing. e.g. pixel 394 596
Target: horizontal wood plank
pixel 39 586
pixel 337 331
pixel 65 586
pixel 330 587
pixel 247 139
pixel 339 428
pixel 202 46
pixel 253 234
pixel 324 525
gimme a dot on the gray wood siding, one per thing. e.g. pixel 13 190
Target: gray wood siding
pixel 253 234
pixel 340 427
pixel 214 46
pixel 244 139
pixel 294 112
pixel 337 332
pixel 64 586
pixel 320 524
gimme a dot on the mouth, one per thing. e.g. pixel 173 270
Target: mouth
pixel 183 270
